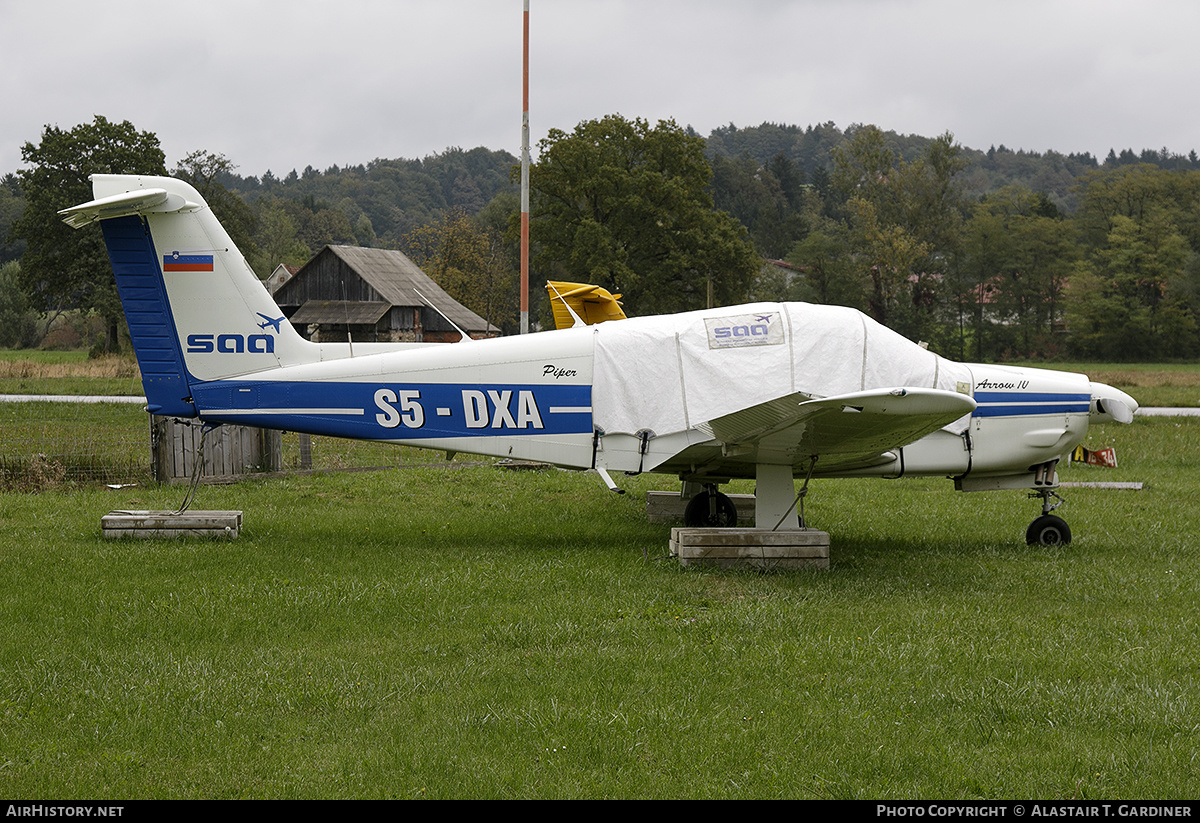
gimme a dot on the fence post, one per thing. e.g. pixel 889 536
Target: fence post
pixel 229 451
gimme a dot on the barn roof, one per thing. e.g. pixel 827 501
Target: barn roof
pixel 398 280
pixel 348 312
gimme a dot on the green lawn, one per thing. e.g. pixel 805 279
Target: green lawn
pixel 472 632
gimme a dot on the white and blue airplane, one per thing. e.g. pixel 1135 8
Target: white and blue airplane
pixel 769 391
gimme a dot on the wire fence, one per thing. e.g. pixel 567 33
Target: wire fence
pixel 63 442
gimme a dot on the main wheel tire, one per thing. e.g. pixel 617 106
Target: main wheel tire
pixel 1048 530
pixel 703 510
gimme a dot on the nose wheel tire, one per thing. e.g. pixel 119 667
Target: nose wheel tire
pixel 1048 530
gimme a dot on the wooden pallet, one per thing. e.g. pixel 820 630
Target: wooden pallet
pixel 751 548
pixel 169 524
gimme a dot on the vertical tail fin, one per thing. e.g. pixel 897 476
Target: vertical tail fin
pixel 196 311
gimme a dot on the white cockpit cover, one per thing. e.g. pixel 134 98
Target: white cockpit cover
pixel 671 372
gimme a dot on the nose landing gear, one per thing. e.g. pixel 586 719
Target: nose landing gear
pixel 1049 529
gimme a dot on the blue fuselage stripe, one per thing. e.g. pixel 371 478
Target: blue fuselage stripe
pixel 1021 404
pixel 399 411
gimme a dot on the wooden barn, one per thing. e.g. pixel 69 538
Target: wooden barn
pixel 372 294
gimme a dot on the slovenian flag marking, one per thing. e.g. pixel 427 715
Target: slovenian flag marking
pixel 187 262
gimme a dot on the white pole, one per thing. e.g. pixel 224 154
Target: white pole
pixel 525 179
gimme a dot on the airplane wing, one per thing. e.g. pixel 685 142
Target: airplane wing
pixel 848 430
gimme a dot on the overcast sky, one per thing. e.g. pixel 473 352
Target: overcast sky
pixel 282 85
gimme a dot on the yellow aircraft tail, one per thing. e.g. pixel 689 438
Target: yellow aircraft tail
pixel 591 304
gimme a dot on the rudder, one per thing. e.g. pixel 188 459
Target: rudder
pixel 144 300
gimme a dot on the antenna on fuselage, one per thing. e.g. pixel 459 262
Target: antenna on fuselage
pixel 463 334
pixel 578 320
pixel 346 315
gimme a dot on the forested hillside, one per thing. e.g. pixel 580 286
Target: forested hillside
pixel 394 196
pixel 983 253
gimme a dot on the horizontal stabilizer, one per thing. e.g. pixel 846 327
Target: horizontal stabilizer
pixel 140 201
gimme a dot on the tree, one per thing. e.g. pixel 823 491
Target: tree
pixel 890 255
pixel 276 242
pixel 870 203
pixel 318 224
pixel 626 206
pixel 205 171
pixel 1129 310
pixel 1019 255
pixel 62 267
pixel 770 200
pixel 827 266
pixel 903 223
pixel 12 203
pixel 18 323
pixel 863 165
pixel 1133 297
pixel 468 262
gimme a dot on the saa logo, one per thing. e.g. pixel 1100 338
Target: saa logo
pixel 230 343
pixel 744 330
pixel 236 343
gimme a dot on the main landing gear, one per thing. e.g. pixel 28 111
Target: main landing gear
pixel 710 508
pixel 1049 529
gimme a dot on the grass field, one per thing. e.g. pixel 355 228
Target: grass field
pixel 1151 384
pixel 472 632
pixel 46 445
pixel 57 372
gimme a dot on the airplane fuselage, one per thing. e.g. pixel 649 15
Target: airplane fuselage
pixel 530 398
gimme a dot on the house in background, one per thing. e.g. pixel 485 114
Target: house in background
pixel 374 295
pixel 281 275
